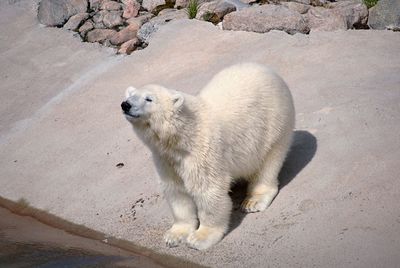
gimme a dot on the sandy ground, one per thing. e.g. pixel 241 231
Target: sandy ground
pixel 62 135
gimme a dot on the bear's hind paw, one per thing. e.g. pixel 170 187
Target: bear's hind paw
pixel 252 204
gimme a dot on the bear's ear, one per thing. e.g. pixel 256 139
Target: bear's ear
pixel 178 100
pixel 130 91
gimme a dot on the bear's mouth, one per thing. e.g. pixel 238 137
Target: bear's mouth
pixel 131 115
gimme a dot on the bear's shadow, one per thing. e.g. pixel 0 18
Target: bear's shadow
pixel 302 151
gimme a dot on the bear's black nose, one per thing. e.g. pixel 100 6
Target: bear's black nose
pixel 125 106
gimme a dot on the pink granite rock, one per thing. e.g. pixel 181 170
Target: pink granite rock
pixel 124 35
pixel 131 9
pixel 129 46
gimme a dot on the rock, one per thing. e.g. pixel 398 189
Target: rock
pixel 155 6
pixel 100 35
pixel 131 9
pixel 98 19
pixel 57 12
pixel 124 35
pixel 265 18
pixel 129 46
pixel 298 7
pixel 86 27
pixel 94 4
pixel 385 15
pixel 170 14
pixel 185 3
pixel 248 1
pixel 181 3
pixel 99 25
pixel 75 21
pixel 215 11
pixel 304 2
pixel 324 19
pixel 318 3
pixel 355 13
pixel 139 21
pixel 339 16
pixel 112 19
pixel 110 5
pixel 149 28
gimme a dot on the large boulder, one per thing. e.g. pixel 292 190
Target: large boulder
pixel 149 28
pixel 57 12
pixel 341 15
pixel 354 11
pixel 385 15
pixel 265 18
pixel 298 7
pixel 324 19
pixel 215 11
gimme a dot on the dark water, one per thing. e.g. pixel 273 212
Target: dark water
pixel 26 242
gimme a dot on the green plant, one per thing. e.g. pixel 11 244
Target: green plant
pixel 370 3
pixel 193 8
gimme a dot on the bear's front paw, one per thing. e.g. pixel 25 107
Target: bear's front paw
pixel 204 237
pixel 177 234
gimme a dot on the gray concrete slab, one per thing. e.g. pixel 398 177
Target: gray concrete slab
pixel 338 205
pixel 39 65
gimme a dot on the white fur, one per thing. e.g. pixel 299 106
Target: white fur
pixel 129 92
pixel 239 126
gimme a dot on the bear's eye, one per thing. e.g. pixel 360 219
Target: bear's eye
pixel 148 99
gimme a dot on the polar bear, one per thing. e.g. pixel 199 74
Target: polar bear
pixel 239 126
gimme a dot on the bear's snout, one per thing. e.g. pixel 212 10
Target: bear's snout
pixel 126 106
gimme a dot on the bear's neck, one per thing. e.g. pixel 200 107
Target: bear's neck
pixel 176 138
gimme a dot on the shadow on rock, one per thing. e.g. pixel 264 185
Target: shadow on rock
pixel 302 151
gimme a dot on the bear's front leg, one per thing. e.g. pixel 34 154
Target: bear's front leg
pixel 184 213
pixel 214 209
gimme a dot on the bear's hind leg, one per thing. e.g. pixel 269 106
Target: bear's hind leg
pixel 184 212
pixel 263 187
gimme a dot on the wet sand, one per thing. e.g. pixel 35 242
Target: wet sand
pixel 26 242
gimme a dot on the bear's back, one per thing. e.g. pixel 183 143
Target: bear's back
pixel 246 90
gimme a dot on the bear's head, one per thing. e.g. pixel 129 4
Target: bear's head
pixel 151 105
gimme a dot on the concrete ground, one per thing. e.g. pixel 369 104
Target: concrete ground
pixel 62 135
